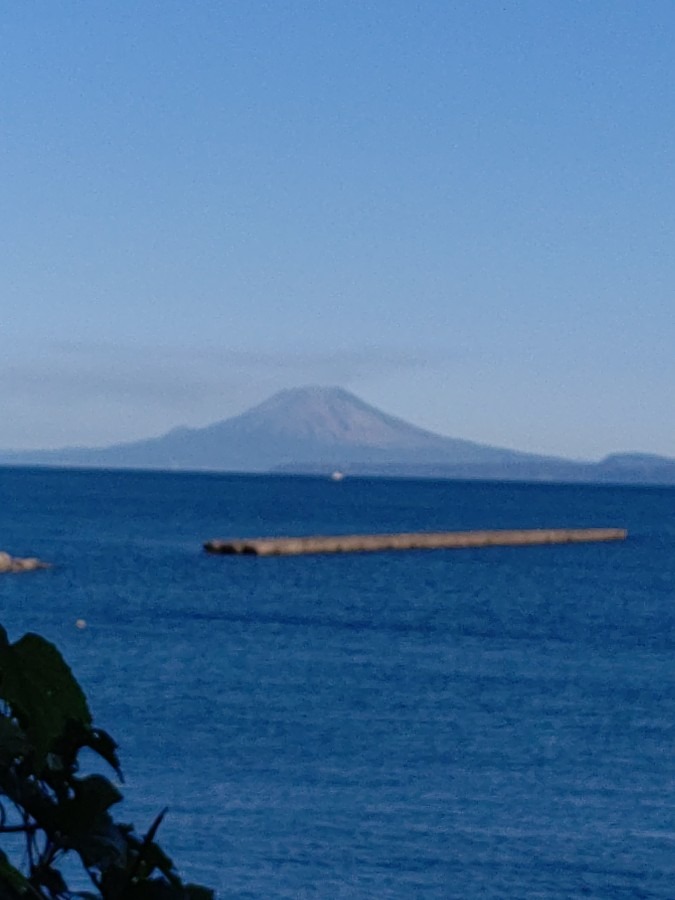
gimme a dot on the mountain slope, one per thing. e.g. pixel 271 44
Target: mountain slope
pixel 303 426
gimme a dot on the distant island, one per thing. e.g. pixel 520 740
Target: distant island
pixel 322 430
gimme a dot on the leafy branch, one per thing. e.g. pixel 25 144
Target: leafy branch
pixel 45 723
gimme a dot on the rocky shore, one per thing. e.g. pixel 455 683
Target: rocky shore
pixel 16 564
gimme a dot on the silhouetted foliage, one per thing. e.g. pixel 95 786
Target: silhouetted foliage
pixel 53 811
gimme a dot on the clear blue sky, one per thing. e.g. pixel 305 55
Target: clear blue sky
pixel 462 211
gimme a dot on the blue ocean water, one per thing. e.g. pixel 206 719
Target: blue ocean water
pixel 494 723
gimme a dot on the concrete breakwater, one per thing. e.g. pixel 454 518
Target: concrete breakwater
pixel 444 540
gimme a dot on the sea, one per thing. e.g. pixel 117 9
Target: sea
pixel 484 723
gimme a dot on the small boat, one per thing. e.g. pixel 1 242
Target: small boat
pixel 337 475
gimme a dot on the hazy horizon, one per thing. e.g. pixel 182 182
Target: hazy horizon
pixel 326 387
pixel 461 213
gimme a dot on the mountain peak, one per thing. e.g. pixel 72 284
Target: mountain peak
pixel 330 415
pixel 312 393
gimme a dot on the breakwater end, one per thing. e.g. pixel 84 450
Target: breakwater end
pixel 16 564
pixel 444 540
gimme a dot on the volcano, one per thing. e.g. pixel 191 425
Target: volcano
pixel 316 430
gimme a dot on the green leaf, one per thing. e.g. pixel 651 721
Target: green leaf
pixel 13 742
pixel 158 889
pixel 41 690
pixel 94 795
pixel 53 880
pixel 100 742
pixel 27 793
pixel 86 827
pixel 152 889
pixel 155 858
pixel 12 883
pixel 101 846
pixel 197 892
pixel 76 736
pixel 152 831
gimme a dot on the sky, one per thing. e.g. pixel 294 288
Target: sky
pixel 463 212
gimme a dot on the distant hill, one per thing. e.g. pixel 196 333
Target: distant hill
pixel 317 430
